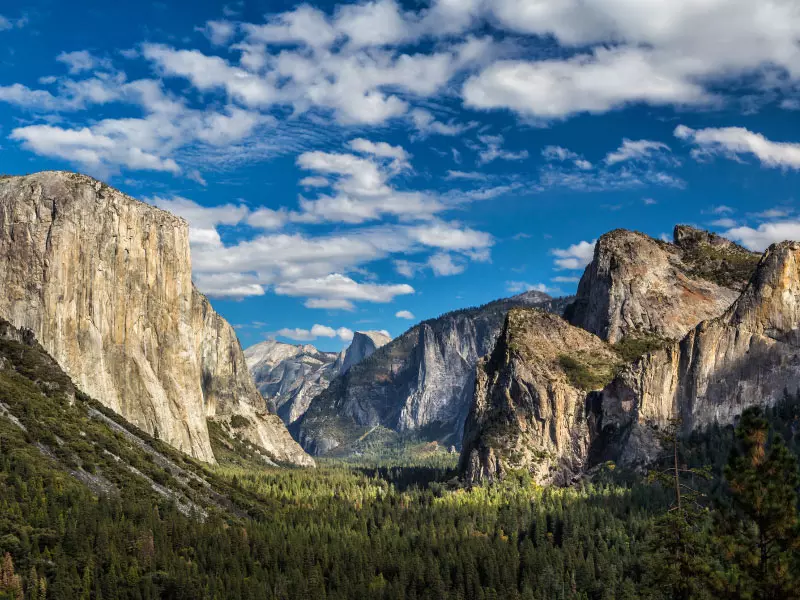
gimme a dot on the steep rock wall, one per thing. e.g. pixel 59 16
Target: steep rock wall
pixel 637 286
pixel 104 282
pixel 529 407
pixel 747 356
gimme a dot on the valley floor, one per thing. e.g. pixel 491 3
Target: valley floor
pixel 350 530
pixel 92 508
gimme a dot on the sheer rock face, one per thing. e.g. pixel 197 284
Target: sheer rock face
pixel 422 381
pixel 363 346
pixel 104 282
pixel 528 411
pixel 289 375
pixel 747 356
pixel 637 286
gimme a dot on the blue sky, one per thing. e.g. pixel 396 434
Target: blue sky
pixel 369 165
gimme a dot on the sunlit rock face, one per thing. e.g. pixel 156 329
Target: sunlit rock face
pixel 747 356
pixel 104 282
pixel 638 286
pixel 528 410
pixel 290 375
pixel 422 382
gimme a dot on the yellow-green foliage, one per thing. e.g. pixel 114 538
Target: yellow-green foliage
pixel 586 370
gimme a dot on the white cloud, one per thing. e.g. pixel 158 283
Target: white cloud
pixel 449 236
pixel 561 154
pixel 722 210
pixel 562 279
pixel 635 150
pixel 426 124
pixel 211 72
pixel 471 176
pixel 314 182
pixel 341 287
pixel 406 268
pixel 575 257
pixel 6 23
pixel 735 141
pixel 361 187
pixel 376 23
pixel 760 238
pixel 490 149
pixel 604 80
pixel 442 264
pixel 382 150
pixel 405 314
pixel 316 331
pixel 305 25
pixel 87 147
pixel 516 287
pixel 329 304
pixel 728 223
pixel 650 52
pixel 82 60
pixel 218 32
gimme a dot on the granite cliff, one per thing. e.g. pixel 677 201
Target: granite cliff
pixel 553 399
pixel 104 283
pixel 639 287
pixel 422 382
pixel 749 355
pixel 530 393
pixel 290 375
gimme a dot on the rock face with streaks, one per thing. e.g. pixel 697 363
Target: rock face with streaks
pixel 747 356
pixel 699 330
pixel 104 282
pixel 290 376
pixel 637 286
pixel 529 405
pixel 421 382
pixel 363 346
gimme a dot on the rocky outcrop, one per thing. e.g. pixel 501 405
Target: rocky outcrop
pixel 104 283
pixel 363 346
pixel 747 356
pixel 639 287
pixel 421 382
pixel 528 410
pixel 289 375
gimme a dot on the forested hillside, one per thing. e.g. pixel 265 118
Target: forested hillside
pixel 85 514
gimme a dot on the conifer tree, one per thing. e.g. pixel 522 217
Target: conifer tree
pixel 763 478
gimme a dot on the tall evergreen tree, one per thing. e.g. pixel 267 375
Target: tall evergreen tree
pixel 763 478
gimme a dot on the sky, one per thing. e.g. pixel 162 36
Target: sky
pixel 367 165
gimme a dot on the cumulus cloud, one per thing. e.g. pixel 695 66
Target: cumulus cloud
pixel 90 148
pixel 340 287
pixel 218 32
pixel 761 237
pixel 442 264
pixel 736 141
pixel 576 256
pixel 82 60
pixel 655 53
pixel 604 80
pixel 405 314
pixel 316 331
